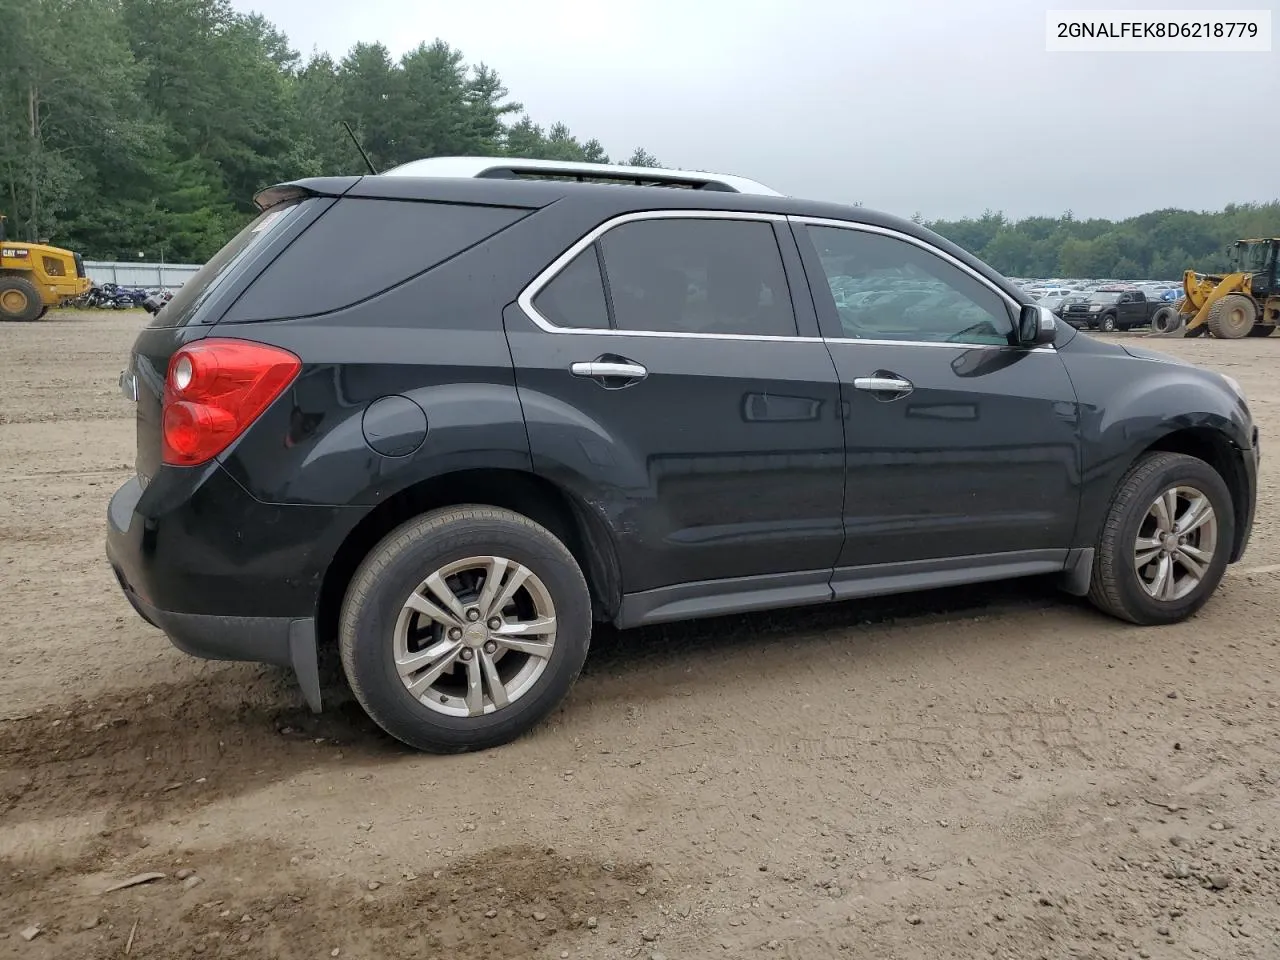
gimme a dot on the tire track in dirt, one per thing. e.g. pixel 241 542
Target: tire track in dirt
pixel 265 900
pixel 167 750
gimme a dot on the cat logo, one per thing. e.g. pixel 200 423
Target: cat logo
pixel 16 252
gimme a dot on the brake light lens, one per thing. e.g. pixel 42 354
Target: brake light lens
pixel 213 390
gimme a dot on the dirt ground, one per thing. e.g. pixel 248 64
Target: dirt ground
pixel 995 772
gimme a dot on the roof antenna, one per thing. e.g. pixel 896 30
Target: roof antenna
pixel 369 163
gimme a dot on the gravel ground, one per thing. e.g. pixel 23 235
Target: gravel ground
pixel 998 772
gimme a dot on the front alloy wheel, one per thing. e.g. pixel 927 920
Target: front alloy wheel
pixel 1176 543
pixel 1165 540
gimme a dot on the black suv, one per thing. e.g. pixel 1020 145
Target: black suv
pixel 441 424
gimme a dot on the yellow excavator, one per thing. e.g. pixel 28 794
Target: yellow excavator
pixel 35 277
pixel 1242 303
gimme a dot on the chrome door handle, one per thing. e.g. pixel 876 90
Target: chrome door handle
pixel 883 384
pixel 595 369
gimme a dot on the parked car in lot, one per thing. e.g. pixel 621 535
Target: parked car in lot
pixel 1113 310
pixel 1053 302
pixel 526 405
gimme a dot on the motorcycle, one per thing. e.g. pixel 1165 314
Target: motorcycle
pixel 156 300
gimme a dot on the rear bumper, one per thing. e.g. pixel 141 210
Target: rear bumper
pixel 225 576
pixel 277 640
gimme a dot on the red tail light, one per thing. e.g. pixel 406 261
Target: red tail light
pixel 214 389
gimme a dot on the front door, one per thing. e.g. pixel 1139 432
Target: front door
pixel 960 445
pixel 671 385
pixel 1130 310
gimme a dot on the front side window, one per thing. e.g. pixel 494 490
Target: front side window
pixel 690 275
pixel 888 289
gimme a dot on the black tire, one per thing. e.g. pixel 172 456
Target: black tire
pixel 19 300
pixel 1116 587
pixel 1262 330
pixel 398 565
pixel 1232 317
pixel 1108 323
pixel 1166 320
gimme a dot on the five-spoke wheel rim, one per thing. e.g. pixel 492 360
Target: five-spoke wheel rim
pixel 1176 543
pixel 475 636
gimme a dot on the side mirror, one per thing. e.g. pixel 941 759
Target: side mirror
pixel 1036 325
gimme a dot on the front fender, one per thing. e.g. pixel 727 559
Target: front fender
pixel 1131 403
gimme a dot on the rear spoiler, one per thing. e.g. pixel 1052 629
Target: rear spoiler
pixel 300 189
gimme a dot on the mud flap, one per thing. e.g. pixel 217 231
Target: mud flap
pixel 1077 572
pixel 305 660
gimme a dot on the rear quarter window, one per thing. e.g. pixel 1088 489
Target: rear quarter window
pixel 361 248
pixel 188 298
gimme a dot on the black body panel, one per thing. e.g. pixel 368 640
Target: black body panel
pixel 194 542
pixel 982 457
pixel 727 460
pixel 1131 398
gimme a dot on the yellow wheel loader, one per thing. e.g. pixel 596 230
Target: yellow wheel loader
pixel 35 277
pixel 1243 303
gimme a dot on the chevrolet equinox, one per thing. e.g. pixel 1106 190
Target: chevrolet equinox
pixel 444 419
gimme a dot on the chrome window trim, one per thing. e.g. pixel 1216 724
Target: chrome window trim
pixel 914 241
pixel 954 345
pixel 525 299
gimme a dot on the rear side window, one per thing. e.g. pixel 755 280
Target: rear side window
pixel 188 298
pixel 689 275
pixel 361 248
pixel 575 298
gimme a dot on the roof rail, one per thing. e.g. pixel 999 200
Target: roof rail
pixel 512 168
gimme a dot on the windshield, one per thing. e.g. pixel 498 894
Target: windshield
pixel 1253 256
pixel 1105 297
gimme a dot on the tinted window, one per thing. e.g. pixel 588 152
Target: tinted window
pixel 683 275
pixel 889 289
pixel 197 288
pixel 360 248
pixel 575 298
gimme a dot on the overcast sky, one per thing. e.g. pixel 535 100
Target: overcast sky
pixel 945 107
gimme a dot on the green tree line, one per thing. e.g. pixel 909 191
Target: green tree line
pixel 146 126
pixel 1152 246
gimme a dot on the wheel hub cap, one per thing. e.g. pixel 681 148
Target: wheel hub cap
pixel 474 636
pixel 1176 543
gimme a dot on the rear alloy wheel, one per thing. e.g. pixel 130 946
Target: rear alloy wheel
pixel 19 299
pixel 464 628
pixel 1232 317
pixel 1165 541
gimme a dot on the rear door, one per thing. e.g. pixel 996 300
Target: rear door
pixel 671 383
pixel 959 444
